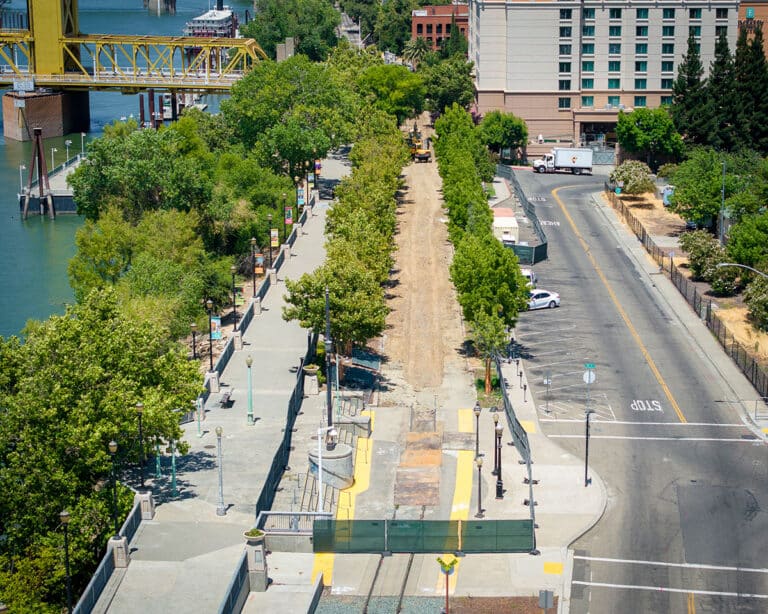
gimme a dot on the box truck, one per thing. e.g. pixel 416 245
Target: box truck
pixel 569 159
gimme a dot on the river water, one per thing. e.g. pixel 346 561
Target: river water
pixel 34 253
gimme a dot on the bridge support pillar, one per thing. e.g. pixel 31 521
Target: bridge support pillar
pixel 56 113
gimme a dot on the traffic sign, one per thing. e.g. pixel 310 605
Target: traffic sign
pixel 589 365
pixel 589 377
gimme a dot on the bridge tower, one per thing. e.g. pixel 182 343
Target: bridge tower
pixel 54 112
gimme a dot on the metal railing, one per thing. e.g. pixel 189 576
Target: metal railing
pixel 527 254
pixel 289 522
pixel 750 364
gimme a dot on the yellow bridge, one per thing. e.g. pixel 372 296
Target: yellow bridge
pixel 53 53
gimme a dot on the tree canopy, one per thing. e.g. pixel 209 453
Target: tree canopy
pixel 650 133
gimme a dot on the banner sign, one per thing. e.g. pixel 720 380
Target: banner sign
pixel 274 239
pixel 216 327
pixel 288 216
pixel 258 267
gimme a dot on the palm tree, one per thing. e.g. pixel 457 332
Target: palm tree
pixel 415 49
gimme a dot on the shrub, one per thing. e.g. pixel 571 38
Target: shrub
pixel 701 248
pixel 667 171
pixel 635 177
pixel 756 297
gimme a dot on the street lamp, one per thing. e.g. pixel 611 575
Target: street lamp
pixel 142 460
pixel 253 264
pixel 332 433
pixel 22 168
pixel 209 309
pixel 233 270
pixel 499 480
pixel 587 414
pixel 741 266
pixel 285 210
pixel 477 428
pixel 112 452
pixel 269 221
pixel 249 363
pixel 479 462
pixel 67 143
pixel 495 447
pixel 193 327
pixel 221 510
pixel 53 151
pixel 64 517
pixel 328 349
pixel 82 142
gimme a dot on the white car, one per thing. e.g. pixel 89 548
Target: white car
pixel 543 299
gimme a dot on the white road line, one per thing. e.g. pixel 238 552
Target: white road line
pixel 602 559
pixel 721 439
pixel 638 423
pixel 667 589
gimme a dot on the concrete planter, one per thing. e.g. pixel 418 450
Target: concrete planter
pixel 311 382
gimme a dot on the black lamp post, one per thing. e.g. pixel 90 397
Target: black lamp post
pixel 142 460
pixel 296 180
pixel 253 263
pixel 193 326
pixel 285 210
pixel 64 517
pixel 328 349
pixel 586 447
pixel 495 447
pixel 112 452
pixel 269 220
pixel 209 309
pixel 477 429
pixel 499 480
pixel 233 270
pixel 479 462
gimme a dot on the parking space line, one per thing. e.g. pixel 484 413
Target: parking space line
pixel 638 438
pixel 601 559
pixel 669 589
pixel 631 422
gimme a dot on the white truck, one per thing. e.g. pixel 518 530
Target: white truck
pixel 575 160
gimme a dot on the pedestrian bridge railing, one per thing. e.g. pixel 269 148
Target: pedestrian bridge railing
pixel 289 522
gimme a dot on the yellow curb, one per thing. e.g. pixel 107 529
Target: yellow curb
pixel 529 426
pixel 553 568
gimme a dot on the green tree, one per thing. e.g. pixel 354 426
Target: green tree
pixel 311 23
pixel 650 133
pixel 393 25
pixel 394 89
pixel 689 97
pixel 415 49
pixel 635 177
pixel 748 240
pixel 489 334
pixel 448 82
pixel 723 115
pixel 503 130
pixel 756 298
pixel 456 43
pixel 701 248
pixel 743 84
pixel 758 86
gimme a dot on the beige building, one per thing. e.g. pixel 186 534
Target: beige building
pixel 567 68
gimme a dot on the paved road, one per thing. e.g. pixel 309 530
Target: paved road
pixel 686 479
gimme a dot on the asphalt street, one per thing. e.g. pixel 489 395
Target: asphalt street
pixel 687 512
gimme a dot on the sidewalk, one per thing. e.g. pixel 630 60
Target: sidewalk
pixel 183 559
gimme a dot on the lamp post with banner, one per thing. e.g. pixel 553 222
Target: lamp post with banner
pixel 272 238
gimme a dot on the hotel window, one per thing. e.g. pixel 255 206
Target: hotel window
pixel 641 48
pixel 565 67
pixel 563 103
pixel 589 13
pixel 667 48
pixel 587 66
pixel 666 100
pixel 694 13
pixel 641 31
pixel 668 14
pixel 667 66
pixel 721 13
pixel 614 84
pixel 642 14
pixel 614 48
pixel 640 101
pixel 564 84
pixel 666 84
pixel 588 49
pixel 641 84
pixel 565 49
pixel 614 30
pixel 721 31
pixel 565 31
pixel 565 14
pixel 614 66
pixel 614 13
pixel 588 31
pixel 614 100
pixel 667 30
pixel 694 31
pixel 587 101
pixel 587 84
pixel 641 66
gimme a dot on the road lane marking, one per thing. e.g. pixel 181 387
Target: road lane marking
pixel 601 559
pixel 635 335
pixel 630 438
pixel 641 423
pixel 669 589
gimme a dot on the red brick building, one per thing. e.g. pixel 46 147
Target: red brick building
pixel 434 22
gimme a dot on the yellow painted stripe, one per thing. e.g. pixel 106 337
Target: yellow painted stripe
pixel 466 423
pixel 462 495
pixel 765 430
pixel 691 604
pixel 345 510
pixel 553 568
pixel 529 426
pixel 622 313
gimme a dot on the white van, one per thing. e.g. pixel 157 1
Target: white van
pixel 530 276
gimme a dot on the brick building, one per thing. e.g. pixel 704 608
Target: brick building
pixel 434 22
pixel 753 14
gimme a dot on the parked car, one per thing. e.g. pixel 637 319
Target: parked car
pixel 543 299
